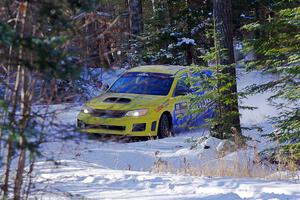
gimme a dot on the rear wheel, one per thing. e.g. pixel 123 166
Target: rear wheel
pixel 164 127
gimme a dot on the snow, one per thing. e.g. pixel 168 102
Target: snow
pixel 91 77
pixel 264 109
pixel 89 167
pixel 186 41
pixel 197 28
pixel 83 180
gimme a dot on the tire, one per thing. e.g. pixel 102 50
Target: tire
pixel 164 127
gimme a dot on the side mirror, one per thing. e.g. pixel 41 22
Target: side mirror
pixel 181 92
pixel 105 87
pixel 193 89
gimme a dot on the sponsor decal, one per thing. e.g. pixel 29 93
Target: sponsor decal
pixel 159 108
pixel 180 111
pixel 143 74
pixel 164 104
pixel 204 103
pixel 180 108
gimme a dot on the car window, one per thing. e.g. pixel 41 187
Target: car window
pixel 182 87
pixel 143 83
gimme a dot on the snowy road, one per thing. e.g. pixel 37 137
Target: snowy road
pixel 87 168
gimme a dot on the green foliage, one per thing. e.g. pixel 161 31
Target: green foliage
pixel 213 96
pixel 175 33
pixel 278 49
pixel 54 28
pixel 33 50
pixel 287 156
pixel 3 105
pixel 7 35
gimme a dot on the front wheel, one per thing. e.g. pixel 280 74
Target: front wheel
pixel 164 127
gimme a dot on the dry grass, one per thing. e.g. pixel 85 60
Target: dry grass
pixel 238 167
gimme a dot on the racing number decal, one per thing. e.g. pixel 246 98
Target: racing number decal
pixel 180 113
pixel 180 108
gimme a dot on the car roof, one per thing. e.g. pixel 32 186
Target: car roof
pixel 165 69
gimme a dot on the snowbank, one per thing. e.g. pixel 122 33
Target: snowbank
pixel 83 180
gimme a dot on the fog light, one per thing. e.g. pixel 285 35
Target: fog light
pixel 153 126
pixel 139 127
pixel 80 124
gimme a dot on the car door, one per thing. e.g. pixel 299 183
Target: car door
pixel 204 108
pixel 181 105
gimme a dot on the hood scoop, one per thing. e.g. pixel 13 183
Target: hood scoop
pixel 116 100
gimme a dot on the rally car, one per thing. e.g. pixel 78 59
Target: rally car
pixel 145 101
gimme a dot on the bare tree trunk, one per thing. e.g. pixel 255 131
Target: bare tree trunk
pixel 189 49
pixel 136 27
pixel 224 28
pixel 24 110
pixel 224 37
pixel 27 191
pixel 136 17
pixel 20 170
pixel 28 91
pixel 22 142
pixel 7 96
pixel 7 169
pixel 10 140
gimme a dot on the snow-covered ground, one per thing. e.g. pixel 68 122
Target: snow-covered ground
pixel 171 168
pixel 74 179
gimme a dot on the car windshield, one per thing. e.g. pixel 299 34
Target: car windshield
pixel 143 83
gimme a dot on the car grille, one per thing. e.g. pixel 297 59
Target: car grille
pixel 106 127
pixel 108 113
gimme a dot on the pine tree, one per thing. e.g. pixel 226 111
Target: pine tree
pixel 228 106
pixel 279 50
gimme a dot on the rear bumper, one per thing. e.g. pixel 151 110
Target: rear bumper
pixel 124 126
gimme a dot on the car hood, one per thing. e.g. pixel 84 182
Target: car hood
pixel 123 101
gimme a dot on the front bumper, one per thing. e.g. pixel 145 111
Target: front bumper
pixel 125 126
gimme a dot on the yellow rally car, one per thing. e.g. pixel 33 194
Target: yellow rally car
pixel 144 101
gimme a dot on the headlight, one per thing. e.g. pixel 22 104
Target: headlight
pixel 136 113
pixel 87 110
